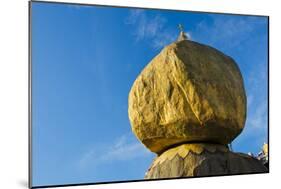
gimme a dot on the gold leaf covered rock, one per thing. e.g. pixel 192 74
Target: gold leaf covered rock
pixel 188 93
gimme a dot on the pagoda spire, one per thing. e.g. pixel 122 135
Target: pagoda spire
pixel 182 35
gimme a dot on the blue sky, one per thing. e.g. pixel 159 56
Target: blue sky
pixel 84 62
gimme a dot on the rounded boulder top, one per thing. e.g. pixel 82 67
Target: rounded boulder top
pixel 188 93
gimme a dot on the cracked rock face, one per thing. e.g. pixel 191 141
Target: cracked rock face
pixel 188 93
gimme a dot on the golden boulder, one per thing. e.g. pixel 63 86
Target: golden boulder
pixel 189 93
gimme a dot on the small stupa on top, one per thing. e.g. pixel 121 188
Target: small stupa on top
pixel 182 35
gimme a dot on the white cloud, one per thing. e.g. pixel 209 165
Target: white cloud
pixel 257 105
pixel 124 148
pixel 225 30
pixel 145 26
pixel 257 100
pixel 134 16
pixel 257 119
pixel 152 28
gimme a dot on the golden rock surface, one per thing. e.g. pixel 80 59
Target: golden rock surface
pixel 188 93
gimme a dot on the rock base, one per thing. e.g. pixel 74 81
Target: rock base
pixel 191 160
